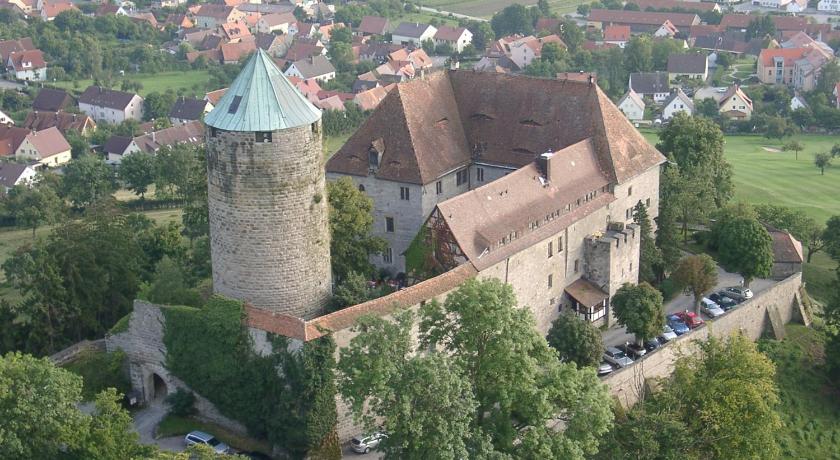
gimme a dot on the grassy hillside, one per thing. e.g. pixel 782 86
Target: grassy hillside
pixel 192 82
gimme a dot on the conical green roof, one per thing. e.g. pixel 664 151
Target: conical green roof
pixel 261 99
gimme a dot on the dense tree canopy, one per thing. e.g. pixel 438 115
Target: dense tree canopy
pixel 745 247
pixel 696 275
pixel 351 221
pixel 33 206
pixel 576 340
pixel 87 180
pixel 639 308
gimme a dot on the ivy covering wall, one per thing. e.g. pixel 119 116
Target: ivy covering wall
pixel 287 397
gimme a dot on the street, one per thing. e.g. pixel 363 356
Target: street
pixel 618 336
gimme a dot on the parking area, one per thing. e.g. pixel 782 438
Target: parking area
pixel 617 335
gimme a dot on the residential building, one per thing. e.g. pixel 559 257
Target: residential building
pixel 373 25
pixel 740 22
pixel 27 65
pixel 412 33
pixel 50 10
pixel 437 138
pixel 315 67
pixel 677 5
pixel 735 104
pixel 235 32
pixel 213 97
pixel 790 6
pixel 277 22
pixel 526 49
pixel 829 5
pixel 212 15
pixel 7 47
pixel 117 147
pixel 797 67
pixel 63 121
pixel 787 253
pixel 187 109
pixel 640 21
pixel 275 45
pixel 666 30
pixel 11 137
pixel 370 99
pixel 694 66
pixel 48 148
pixel 677 102
pixel 455 37
pixel 798 102
pixel 52 100
pixel 110 106
pixel 617 35
pixel 632 106
pixel 5 119
pixel 654 85
pixel 12 174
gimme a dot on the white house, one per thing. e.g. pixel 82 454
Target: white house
pixel 666 30
pixel 654 85
pixel 110 106
pixel 317 67
pixel 798 102
pixel 27 65
pixel 632 106
pixel 5 119
pixel 456 37
pixel 677 102
pixel 525 50
pixel 274 22
pixel 12 174
pixel 46 147
pixel 412 32
pixel 828 5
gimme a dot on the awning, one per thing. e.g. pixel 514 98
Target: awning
pixel 586 293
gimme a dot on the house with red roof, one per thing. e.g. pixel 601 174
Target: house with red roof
pixel 52 9
pixel 455 37
pixel 617 35
pixel 27 65
pixel 48 148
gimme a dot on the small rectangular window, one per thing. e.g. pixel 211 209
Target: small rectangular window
pixel 630 190
pixel 550 280
pixel 577 265
pixel 389 224
pixel 404 193
pixel 438 187
pixel 461 177
pixel 647 203
pixel 263 136
pixel 388 256
pixel 479 174
pixel 559 245
pixel 550 249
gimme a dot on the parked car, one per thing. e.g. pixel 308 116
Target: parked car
pixel 691 319
pixel 738 293
pixel 605 368
pixel 677 324
pixel 617 357
pixel 667 335
pixel 652 344
pixel 710 308
pixel 634 351
pixel 200 437
pixel 366 443
pixel 725 302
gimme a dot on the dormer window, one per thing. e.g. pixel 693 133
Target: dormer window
pixel 373 158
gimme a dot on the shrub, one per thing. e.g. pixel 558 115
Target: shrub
pixel 181 403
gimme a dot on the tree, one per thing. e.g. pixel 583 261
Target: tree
pixel 778 128
pixel 724 60
pixel 169 286
pixel 342 35
pixel 708 108
pixel 822 160
pixel 793 146
pixel 696 145
pixel 513 377
pixel 351 220
pixel 831 237
pixel 110 432
pixel 583 9
pixel 760 27
pixel 513 19
pixel 745 247
pixel 829 76
pixel 835 150
pixel 650 257
pixel 638 54
pixel 352 290
pixel 696 275
pixel 800 225
pixel 571 34
pixel 138 172
pixel 87 180
pixel 551 52
pixel 482 34
pixel 576 340
pixel 639 309
pixel 157 105
pixel 428 46
pixel 33 207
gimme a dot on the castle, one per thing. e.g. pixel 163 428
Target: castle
pixel 531 181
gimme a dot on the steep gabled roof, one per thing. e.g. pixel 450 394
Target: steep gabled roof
pixel 64 121
pixel 374 25
pixel 104 97
pixel 411 29
pixel 687 63
pixel 314 66
pixel 10 173
pixel 187 108
pixel 633 96
pixel 682 20
pixel 649 82
pixel 48 142
pixel 679 94
pixel 52 100
pixel 261 99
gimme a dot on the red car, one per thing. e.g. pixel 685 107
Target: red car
pixel 691 319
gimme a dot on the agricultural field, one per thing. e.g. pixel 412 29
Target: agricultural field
pixel 191 82
pixel 809 406
pixel 486 8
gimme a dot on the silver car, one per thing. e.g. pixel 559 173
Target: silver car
pixel 605 368
pixel 200 437
pixel 617 357
pixel 365 443
pixel 738 293
pixel 668 334
pixel 710 308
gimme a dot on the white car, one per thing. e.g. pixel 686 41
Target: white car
pixel 605 368
pixel 738 293
pixel 710 308
pixel 365 443
pixel 668 334
pixel 200 437
pixel 617 357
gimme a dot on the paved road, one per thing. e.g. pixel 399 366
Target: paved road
pixel 617 335
pixel 145 423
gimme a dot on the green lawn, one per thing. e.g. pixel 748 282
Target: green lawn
pixel 192 82
pixel 486 8
pixel 174 425
pixel 809 407
pixel 333 143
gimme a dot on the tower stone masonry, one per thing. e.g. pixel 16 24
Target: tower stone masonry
pixel 269 225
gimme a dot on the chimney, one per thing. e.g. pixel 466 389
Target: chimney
pixel 544 163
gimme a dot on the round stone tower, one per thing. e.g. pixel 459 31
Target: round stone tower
pixel 269 228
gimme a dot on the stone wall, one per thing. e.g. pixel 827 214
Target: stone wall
pixel 71 353
pixel 146 354
pixel 269 228
pixel 751 318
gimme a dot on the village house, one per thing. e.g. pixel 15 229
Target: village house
pixel 235 32
pixel 48 148
pixel 7 47
pixel 27 65
pixel 688 6
pixel 278 22
pixel 666 30
pixel 373 25
pixel 110 106
pixel 617 35
pixel 735 104
pixel 789 6
pixel 677 102
pixel 693 66
pixel 212 15
pixel 455 37
pixel 740 22
pixel 412 33
pixel 632 106
pixel 275 45
pixel 187 109
pixel 5 119
pixel 63 121
pixel 640 21
pixel 12 174
pixel 117 147
pixel 654 85
pixel 829 5
pixel 797 67
pixel 11 137
pixel 315 67
pixel 106 9
pixel 798 102
pixel 50 10
pixel 370 99
pixel 525 50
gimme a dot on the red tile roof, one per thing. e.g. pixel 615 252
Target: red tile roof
pixel 449 34
pixel 617 33
pixel 48 142
pixel 27 60
pixel 643 18
pixel 674 4
pixel 788 54
pixel 742 21
pixel 373 25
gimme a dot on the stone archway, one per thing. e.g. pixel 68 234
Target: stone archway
pixel 158 388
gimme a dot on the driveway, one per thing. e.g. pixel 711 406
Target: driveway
pixel 618 335
pixel 348 453
pixel 146 421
